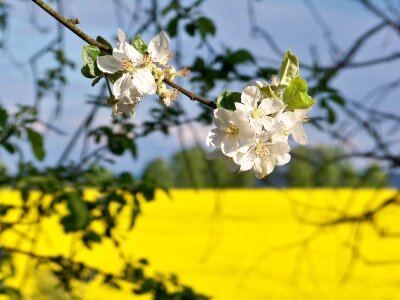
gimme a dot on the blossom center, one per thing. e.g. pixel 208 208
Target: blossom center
pixel 257 113
pixel 262 150
pixel 232 130
pixel 127 63
pixel 285 131
pixel 147 60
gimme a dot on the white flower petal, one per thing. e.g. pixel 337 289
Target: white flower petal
pixel 247 160
pixel 144 82
pixel 135 56
pixel 121 35
pixel 299 134
pixel 122 86
pixel 222 118
pixel 108 64
pixel 215 138
pixel 159 48
pixel 264 167
pixel 229 145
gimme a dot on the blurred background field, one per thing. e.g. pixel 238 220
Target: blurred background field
pixel 238 244
pixel 93 207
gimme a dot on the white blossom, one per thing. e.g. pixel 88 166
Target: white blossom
pixel 258 107
pixel 233 131
pixel 292 123
pixel 127 59
pixel 262 157
pixel 159 48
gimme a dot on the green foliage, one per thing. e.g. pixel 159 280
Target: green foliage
pixel 296 95
pixel 36 140
pixel 227 100
pixel 289 69
pixel 78 217
pixel 190 169
pixel 89 61
pixel 159 172
pixel 139 44
pixel 319 167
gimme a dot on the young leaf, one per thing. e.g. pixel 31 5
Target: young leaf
pixel 89 61
pixel 139 44
pixel 227 100
pixel 295 95
pixel 267 92
pixel 289 69
pixel 36 140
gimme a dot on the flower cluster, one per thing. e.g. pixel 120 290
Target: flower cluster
pixel 139 70
pixel 254 135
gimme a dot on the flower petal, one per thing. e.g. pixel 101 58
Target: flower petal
pixel 159 48
pixel 215 138
pixel 108 64
pixel 122 86
pixel 144 82
pixel 229 146
pixel 299 134
pixel 247 160
pixel 135 56
pixel 121 35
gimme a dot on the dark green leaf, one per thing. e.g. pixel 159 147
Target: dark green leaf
pixel 103 41
pixel 172 26
pixel 227 100
pixel 190 29
pixel 206 26
pixel 338 99
pixel 96 80
pixel 36 140
pixel 10 148
pixel 78 217
pixel 331 116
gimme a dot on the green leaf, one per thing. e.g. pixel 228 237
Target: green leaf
pixel 227 100
pixel 289 69
pixel 295 95
pixel 139 44
pixel 331 115
pixel 3 117
pixel 338 99
pixel 190 28
pixel 103 41
pixel 267 92
pixel 206 26
pixel 10 148
pixel 89 61
pixel 96 80
pixel 36 140
pixel 172 26
pixel 78 217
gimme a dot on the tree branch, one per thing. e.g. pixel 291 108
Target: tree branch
pixel 71 26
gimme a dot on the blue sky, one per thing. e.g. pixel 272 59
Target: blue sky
pixel 288 20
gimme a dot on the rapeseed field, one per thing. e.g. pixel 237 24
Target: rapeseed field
pixel 240 244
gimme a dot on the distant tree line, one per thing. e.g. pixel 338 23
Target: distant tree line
pixel 318 166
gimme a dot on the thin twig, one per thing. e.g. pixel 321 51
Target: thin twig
pixel 71 26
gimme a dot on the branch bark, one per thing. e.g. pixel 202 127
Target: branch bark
pixel 72 26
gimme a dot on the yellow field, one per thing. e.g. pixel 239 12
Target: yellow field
pixel 247 244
